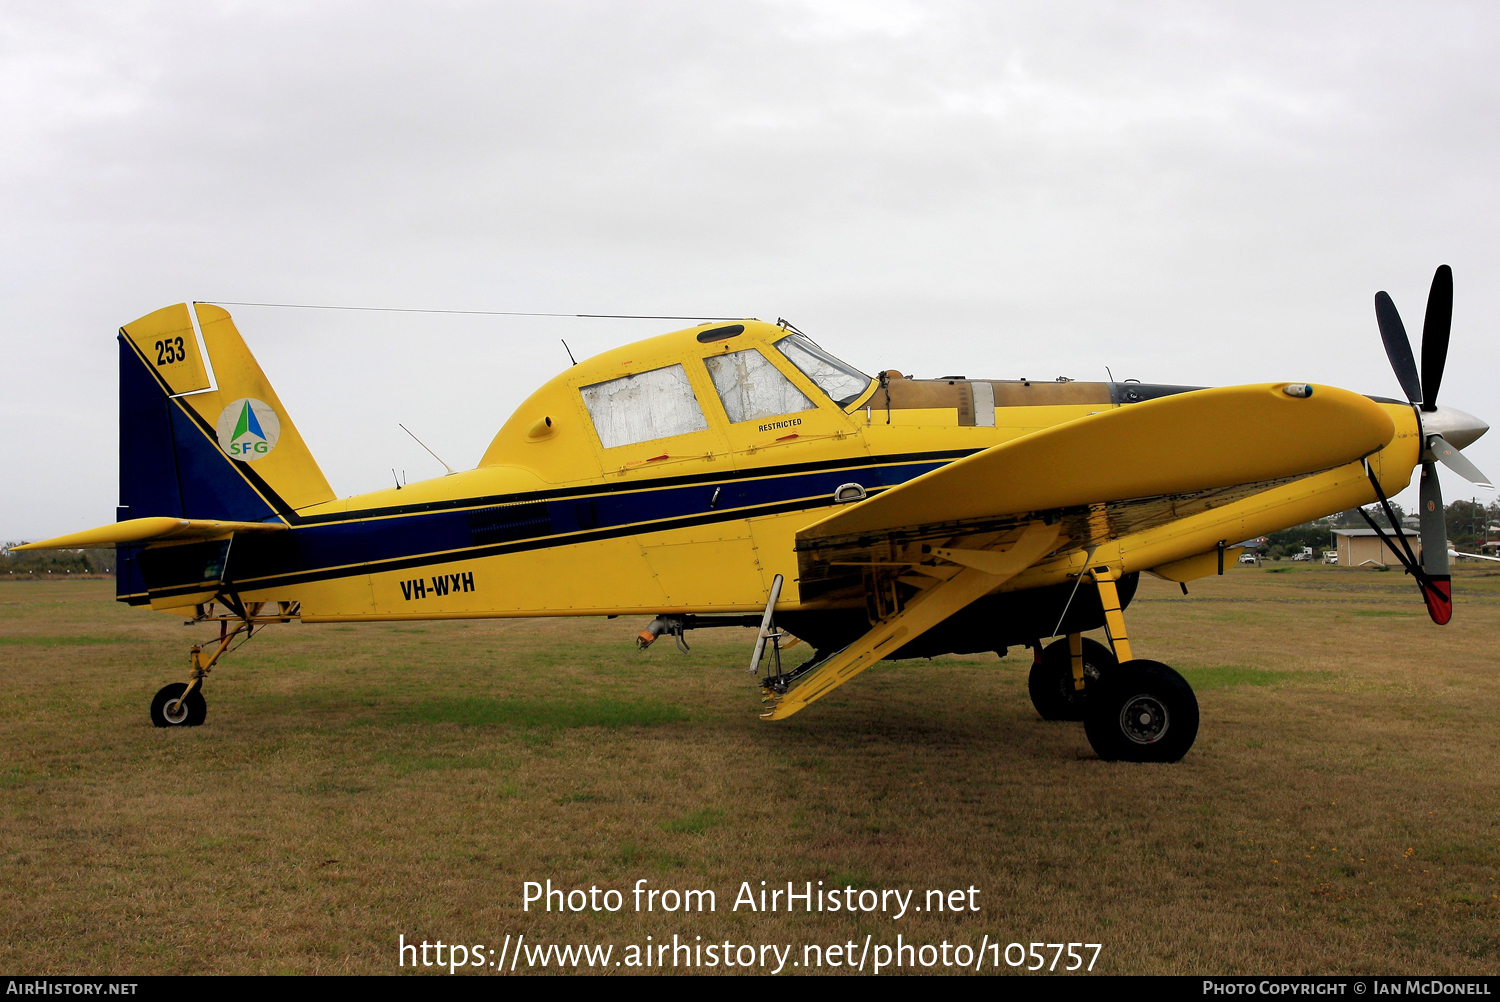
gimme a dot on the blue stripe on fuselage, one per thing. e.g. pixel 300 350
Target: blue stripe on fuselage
pixel 319 551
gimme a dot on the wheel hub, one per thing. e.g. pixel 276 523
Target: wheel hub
pixel 1144 719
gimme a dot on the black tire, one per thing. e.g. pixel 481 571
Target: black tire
pixel 191 715
pixel 1051 679
pixel 1143 712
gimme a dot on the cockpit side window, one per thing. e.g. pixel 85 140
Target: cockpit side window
pixel 840 380
pixel 752 388
pixel 658 403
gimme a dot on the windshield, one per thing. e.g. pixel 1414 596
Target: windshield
pixel 840 380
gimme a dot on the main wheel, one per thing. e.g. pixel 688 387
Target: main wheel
pixel 168 709
pixel 1143 712
pixel 1051 679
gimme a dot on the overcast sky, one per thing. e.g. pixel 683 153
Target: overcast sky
pixel 1196 193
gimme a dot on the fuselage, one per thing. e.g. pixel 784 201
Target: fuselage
pixel 671 475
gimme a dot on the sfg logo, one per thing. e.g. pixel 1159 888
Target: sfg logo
pixel 248 429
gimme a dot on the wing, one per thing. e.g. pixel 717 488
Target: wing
pixel 1102 476
pixel 963 530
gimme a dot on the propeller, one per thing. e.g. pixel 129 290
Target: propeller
pixel 1438 425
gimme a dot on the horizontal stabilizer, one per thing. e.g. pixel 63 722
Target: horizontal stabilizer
pixel 159 529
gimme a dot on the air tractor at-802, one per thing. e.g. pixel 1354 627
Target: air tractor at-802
pixel 739 474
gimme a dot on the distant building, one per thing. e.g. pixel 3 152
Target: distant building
pixel 1363 548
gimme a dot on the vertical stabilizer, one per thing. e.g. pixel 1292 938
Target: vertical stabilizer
pixel 190 450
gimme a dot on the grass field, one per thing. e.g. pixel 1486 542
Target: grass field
pixel 1338 813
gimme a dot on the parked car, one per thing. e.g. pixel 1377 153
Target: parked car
pixel 1249 557
pixel 1330 556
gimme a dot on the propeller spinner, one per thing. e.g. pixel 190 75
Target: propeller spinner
pixel 1445 430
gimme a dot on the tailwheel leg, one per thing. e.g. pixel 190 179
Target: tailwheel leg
pixel 1143 711
pixel 181 704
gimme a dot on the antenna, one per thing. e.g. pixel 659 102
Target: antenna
pixel 569 351
pixel 395 478
pixel 434 455
pixel 1111 374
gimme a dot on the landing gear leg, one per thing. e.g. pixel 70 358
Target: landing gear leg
pixel 1066 674
pixel 1143 711
pixel 1075 657
pixel 1114 617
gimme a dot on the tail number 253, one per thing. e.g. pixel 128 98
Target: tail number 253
pixel 170 351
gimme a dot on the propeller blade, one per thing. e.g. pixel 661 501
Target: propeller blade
pixel 1438 594
pixel 1398 347
pixel 1437 590
pixel 1457 462
pixel 1435 330
pixel 1433 523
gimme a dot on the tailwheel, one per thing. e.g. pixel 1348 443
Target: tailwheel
pixel 181 704
pixel 1142 712
pixel 174 706
pixel 1052 685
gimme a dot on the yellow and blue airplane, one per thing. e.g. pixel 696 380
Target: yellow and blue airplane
pixel 740 474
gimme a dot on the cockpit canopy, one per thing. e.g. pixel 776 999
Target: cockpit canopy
pixel 681 384
pixel 660 403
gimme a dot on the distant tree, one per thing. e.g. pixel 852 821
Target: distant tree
pixel 1316 534
pixel 1468 521
pixel 1350 519
pixel 56 562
